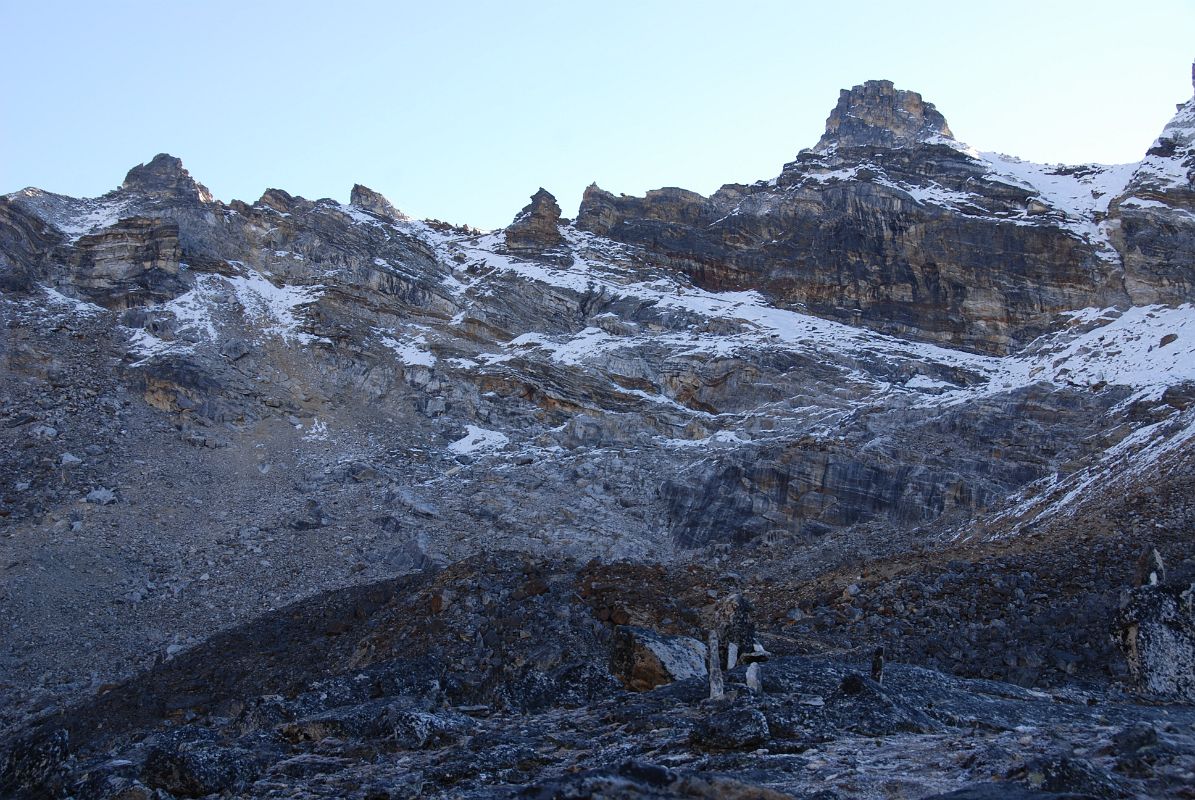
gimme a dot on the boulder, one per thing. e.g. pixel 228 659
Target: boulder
pixel 197 770
pixel 642 659
pixel 1157 634
pixel 732 729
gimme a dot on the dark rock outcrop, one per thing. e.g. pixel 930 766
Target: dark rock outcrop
pixel 26 246
pixel 365 198
pixel 876 114
pixel 165 178
pixel 536 229
pixel 1153 223
pixel 887 223
pixel 198 769
pixel 1157 625
pixel 299 701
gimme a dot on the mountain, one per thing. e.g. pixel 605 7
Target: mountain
pixel 902 394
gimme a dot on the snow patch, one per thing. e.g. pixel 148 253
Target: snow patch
pixel 95 215
pixel 71 304
pixel 575 350
pixel 478 440
pixel 412 353
pixel 318 432
pixel 275 308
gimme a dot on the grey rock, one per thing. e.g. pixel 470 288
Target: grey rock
pixel 101 495
pixel 733 729
pixel 165 177
pixel 643 659
pixel 1157 633
pixel 43 432
pixel 365 198
pixel 196 771
pixel 235 349
pixel 876 114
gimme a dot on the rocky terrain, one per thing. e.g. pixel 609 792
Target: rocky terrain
pixel 309 499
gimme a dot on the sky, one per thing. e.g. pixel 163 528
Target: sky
pixel 460 111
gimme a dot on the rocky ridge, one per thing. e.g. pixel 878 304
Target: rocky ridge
pixel 896 350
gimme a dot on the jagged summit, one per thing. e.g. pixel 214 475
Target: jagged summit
pixel 165 176
pixel 365 198
pixel 876 114
pixel 536 228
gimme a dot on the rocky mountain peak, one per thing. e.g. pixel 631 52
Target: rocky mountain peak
pixel 374 202
pixel 536 228
pixel 165 176
pixel 876 114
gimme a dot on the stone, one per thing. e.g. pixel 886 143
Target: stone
pixel 101 496
pixel 1134 738
pixel 1068 775
pixel 714 665
pixel 70 460
pixel 733 729
pixel 311 517
pixel 35 765
pixel 1157 636
pixel 731 618
pixel 642 659
pixel 43 432
pixel 853 683
pixel 1004 791
pixel 196 770
pixel 754 685
pixel 235 349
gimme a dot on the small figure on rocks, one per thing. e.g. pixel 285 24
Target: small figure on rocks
pixel 731 620
pixel 877 666
pixel 1150 568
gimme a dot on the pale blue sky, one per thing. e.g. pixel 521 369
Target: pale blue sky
pixel 460 111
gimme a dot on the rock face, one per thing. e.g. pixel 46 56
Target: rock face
pixel 132 263
pixel 890 223
pixel 876 114
pixel 1153 222
pixel 1158 635
pixel 26 244
pixel 329 396
pixel 536 229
